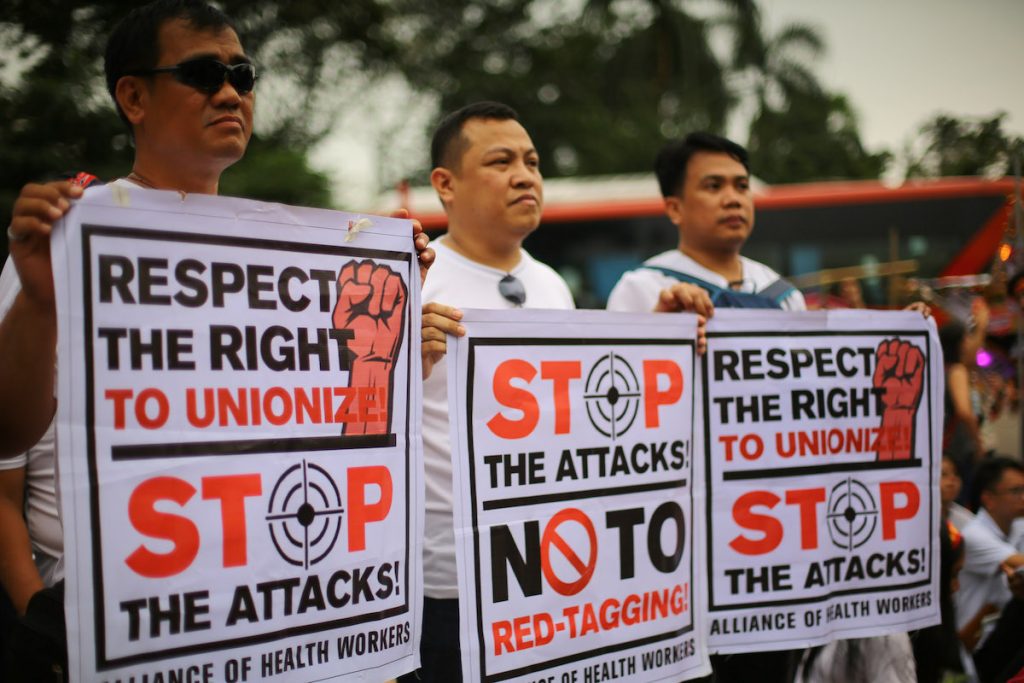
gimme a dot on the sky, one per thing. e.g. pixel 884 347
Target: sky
pixel 899 62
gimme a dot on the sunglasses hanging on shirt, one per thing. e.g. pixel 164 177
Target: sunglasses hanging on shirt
pixel 512 290
pixel 207 75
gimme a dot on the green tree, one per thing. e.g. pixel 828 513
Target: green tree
pixel 602 84
pixel 815 138
pixel 951 146
pixel 799 132
pixel 276 172
pixel 601 89
pixel 58 116
pixel 775 66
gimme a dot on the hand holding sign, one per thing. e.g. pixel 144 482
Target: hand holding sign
pixel 899 372
pixel 371 299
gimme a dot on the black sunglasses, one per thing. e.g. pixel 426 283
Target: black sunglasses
pixel 512 290
pixel 207 75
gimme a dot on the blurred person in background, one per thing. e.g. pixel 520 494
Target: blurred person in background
pixel 848 291
pixel 961 433
pixel 993 554
pixel 950 486
pixel 939 655
pixel 888 658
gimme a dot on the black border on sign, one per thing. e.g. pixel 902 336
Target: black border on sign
pixel 557 341
pixel 920 335
pixel 224 447
pixel 301 444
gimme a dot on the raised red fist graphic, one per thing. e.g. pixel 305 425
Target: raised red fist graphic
pixel 371 303
pixel 899 372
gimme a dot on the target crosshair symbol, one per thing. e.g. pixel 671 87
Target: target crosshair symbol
pixel 304 514
pixel 852 514
pixel 612 395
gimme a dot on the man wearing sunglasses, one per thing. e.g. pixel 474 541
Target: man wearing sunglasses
pixel 183 84
pixel 487 174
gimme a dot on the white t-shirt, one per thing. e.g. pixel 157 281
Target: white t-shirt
pixel 981 579
pixel 638 290
pixel 454 280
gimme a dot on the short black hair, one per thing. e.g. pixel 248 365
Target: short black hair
pixel 134 43
pixel 988 474
pixel 670 165
pixel 448 143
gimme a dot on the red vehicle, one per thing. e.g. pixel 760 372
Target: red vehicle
pixel 594 229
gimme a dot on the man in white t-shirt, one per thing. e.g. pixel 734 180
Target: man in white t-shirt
pixel 993 550
pixel 487 174
pixel 705 180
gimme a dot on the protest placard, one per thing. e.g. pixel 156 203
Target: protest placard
pixel 238 433
pixel 572 458
pixel 822 436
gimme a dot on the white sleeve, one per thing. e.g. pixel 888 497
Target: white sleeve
pixel 568 302
pixel 1017 535
pixel 637 291
pixel 982 551
pixel 13 463
pixel 10 285
pixel 795 302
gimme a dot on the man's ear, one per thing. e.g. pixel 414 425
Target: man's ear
pixel 132 94
pixel 674 209
pixel 443 182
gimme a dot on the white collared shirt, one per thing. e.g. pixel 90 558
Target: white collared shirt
pixel 981 579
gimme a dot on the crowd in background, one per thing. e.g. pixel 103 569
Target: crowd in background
pixel 981 592
pixel 982 492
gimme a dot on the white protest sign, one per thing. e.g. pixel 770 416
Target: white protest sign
pixel 821 452
pixel 239 446
pixel 572 454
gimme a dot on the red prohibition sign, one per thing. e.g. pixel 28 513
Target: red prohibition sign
pixel 551 537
